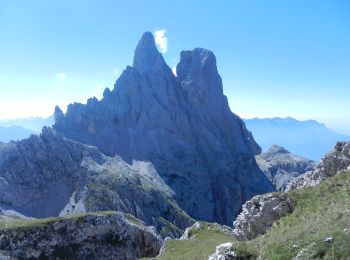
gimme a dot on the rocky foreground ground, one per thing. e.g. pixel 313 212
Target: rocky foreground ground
pixel 103 235
pixel 281 225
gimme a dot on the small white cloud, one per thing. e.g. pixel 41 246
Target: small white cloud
pixel 174 70
pixel 61 76
pixel 116 72
pixel 161 40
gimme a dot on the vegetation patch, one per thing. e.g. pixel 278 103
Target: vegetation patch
pixel 33 223
pixel 319 228
pixel 134 220
pixel 201 244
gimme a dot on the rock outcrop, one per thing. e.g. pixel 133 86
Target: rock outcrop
pixel 259 214
pixel 281 166
pixel 224 252
pixel 182 125
pixel 95 236
pixel 48 175
pixel 337 160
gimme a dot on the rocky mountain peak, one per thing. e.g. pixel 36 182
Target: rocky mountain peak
pixel 196 62
pixel 281 166
pixel 182 125
pixel 276 149
pixel 58 114
pixel 200 80
pixel 147 57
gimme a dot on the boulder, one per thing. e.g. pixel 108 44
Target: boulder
pixel 224 252
pixel 259 214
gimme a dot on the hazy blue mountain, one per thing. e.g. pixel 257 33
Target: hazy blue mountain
pixel 307 138
pixel 15 133
pixel 281 166
pixel 18 129
pixel 34 124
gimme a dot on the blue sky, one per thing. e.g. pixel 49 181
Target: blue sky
pixel 276 58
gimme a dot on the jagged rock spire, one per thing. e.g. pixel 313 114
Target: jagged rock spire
pixel 182 125
pixel 147 56
pixel 58 114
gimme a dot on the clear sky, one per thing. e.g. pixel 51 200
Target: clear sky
pixel 276 58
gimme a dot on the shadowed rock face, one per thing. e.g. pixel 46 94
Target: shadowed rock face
pixel 182 125
pixel 281 166
pixel 48 175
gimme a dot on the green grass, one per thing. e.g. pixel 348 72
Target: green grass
pixel 134 220
pixel 320 212
pixel 33 223
pixel 169 227
pixel 204 243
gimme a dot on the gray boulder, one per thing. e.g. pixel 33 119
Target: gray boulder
pixel 94 236
pixel 337 160
pixel 259 214
pixel 224 252
pixel 281 166
pixel 182 125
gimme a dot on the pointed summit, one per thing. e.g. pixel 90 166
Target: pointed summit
pixel 200 79
pixel 276 149
pixel 147 56
pixel 182 125
pixel 58 114
pixel 195 63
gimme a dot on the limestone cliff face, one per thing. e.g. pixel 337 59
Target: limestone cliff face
pixel 182 125
pixel 48 175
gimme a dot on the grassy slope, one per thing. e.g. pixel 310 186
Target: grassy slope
pixel 201 247
pixel 32 223
pixel 322 211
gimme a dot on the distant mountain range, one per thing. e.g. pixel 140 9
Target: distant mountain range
pixel 15 133
pixel 307 138
pixel 18 129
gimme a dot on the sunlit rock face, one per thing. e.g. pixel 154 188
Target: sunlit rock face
pixel 182 125
pixel 333 162
pixel 260 213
